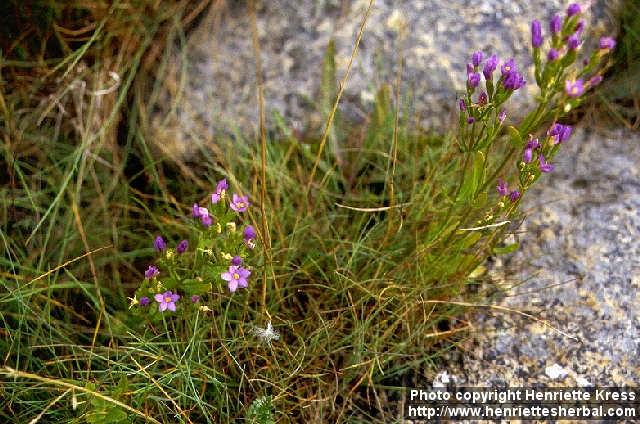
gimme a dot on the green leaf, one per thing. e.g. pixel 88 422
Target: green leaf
pixel 473 180
pixel 514 137
pixel 192 286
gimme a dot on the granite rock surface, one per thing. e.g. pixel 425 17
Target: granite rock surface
pixel 212 88
pixel 578 270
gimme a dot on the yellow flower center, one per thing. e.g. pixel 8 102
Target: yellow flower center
pixel 507 68
pixel 167 299
pixel 574 90
pixel 240 205
pixel 236 276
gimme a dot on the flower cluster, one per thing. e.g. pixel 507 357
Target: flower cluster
pixel 218 255
pixel 562 80
pixel 481 103
pixel 566 38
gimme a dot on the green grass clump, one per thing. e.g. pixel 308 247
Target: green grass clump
pixel 371 253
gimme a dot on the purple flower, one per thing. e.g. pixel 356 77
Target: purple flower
pixel 536 34
pixel 195 210
pixel 514 195
pixel 239 203
pixel 544 166
pixel 476 58
pixel 159 244
pixel 182 246
pixel 195 298
pixel 474 79
pixel 236 277
pixel 221 189
pixel 470 69
pixel 236 260
pixel 552 55
pixel 595 80
pixel 249 233
pixel 513 81
pixel 167 300
pixel 531 145
pixel 502 187
pixel 471 120
pixel 151 272
pixel 511 78
pixel 573 41
pixel 607 43
pixel 490 66
pixel 462 105
pixel 574 88
pixel 573 9
pixel 483 99
pixel 502 116
pixel 206 220
pixel 559 132
pixel 508 67
pixel 555 24
pixel 580 27
pixel 144 301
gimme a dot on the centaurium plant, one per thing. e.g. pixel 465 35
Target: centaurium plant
pixel 215 258
pixel 563 74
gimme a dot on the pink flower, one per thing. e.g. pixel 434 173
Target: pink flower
pixel 236 277
pixel 167 300
pixel 574 88
pixel 239 203
pixel 221 189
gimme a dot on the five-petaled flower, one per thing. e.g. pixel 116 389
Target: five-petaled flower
pixel 151 272
pixel 167 300
pixel 236 277
pixel 221 189
pixel 574 88
pixel 239 203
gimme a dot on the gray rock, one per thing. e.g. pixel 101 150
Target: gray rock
pixel 436 40
pixel 586 277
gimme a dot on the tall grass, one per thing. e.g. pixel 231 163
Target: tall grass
pixel 372 265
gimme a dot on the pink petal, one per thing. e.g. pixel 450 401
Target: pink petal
pixel 233 286
pixel 171 306
pixel 163 307
pixel 226 276
pixel 175 297
pixel 159 297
